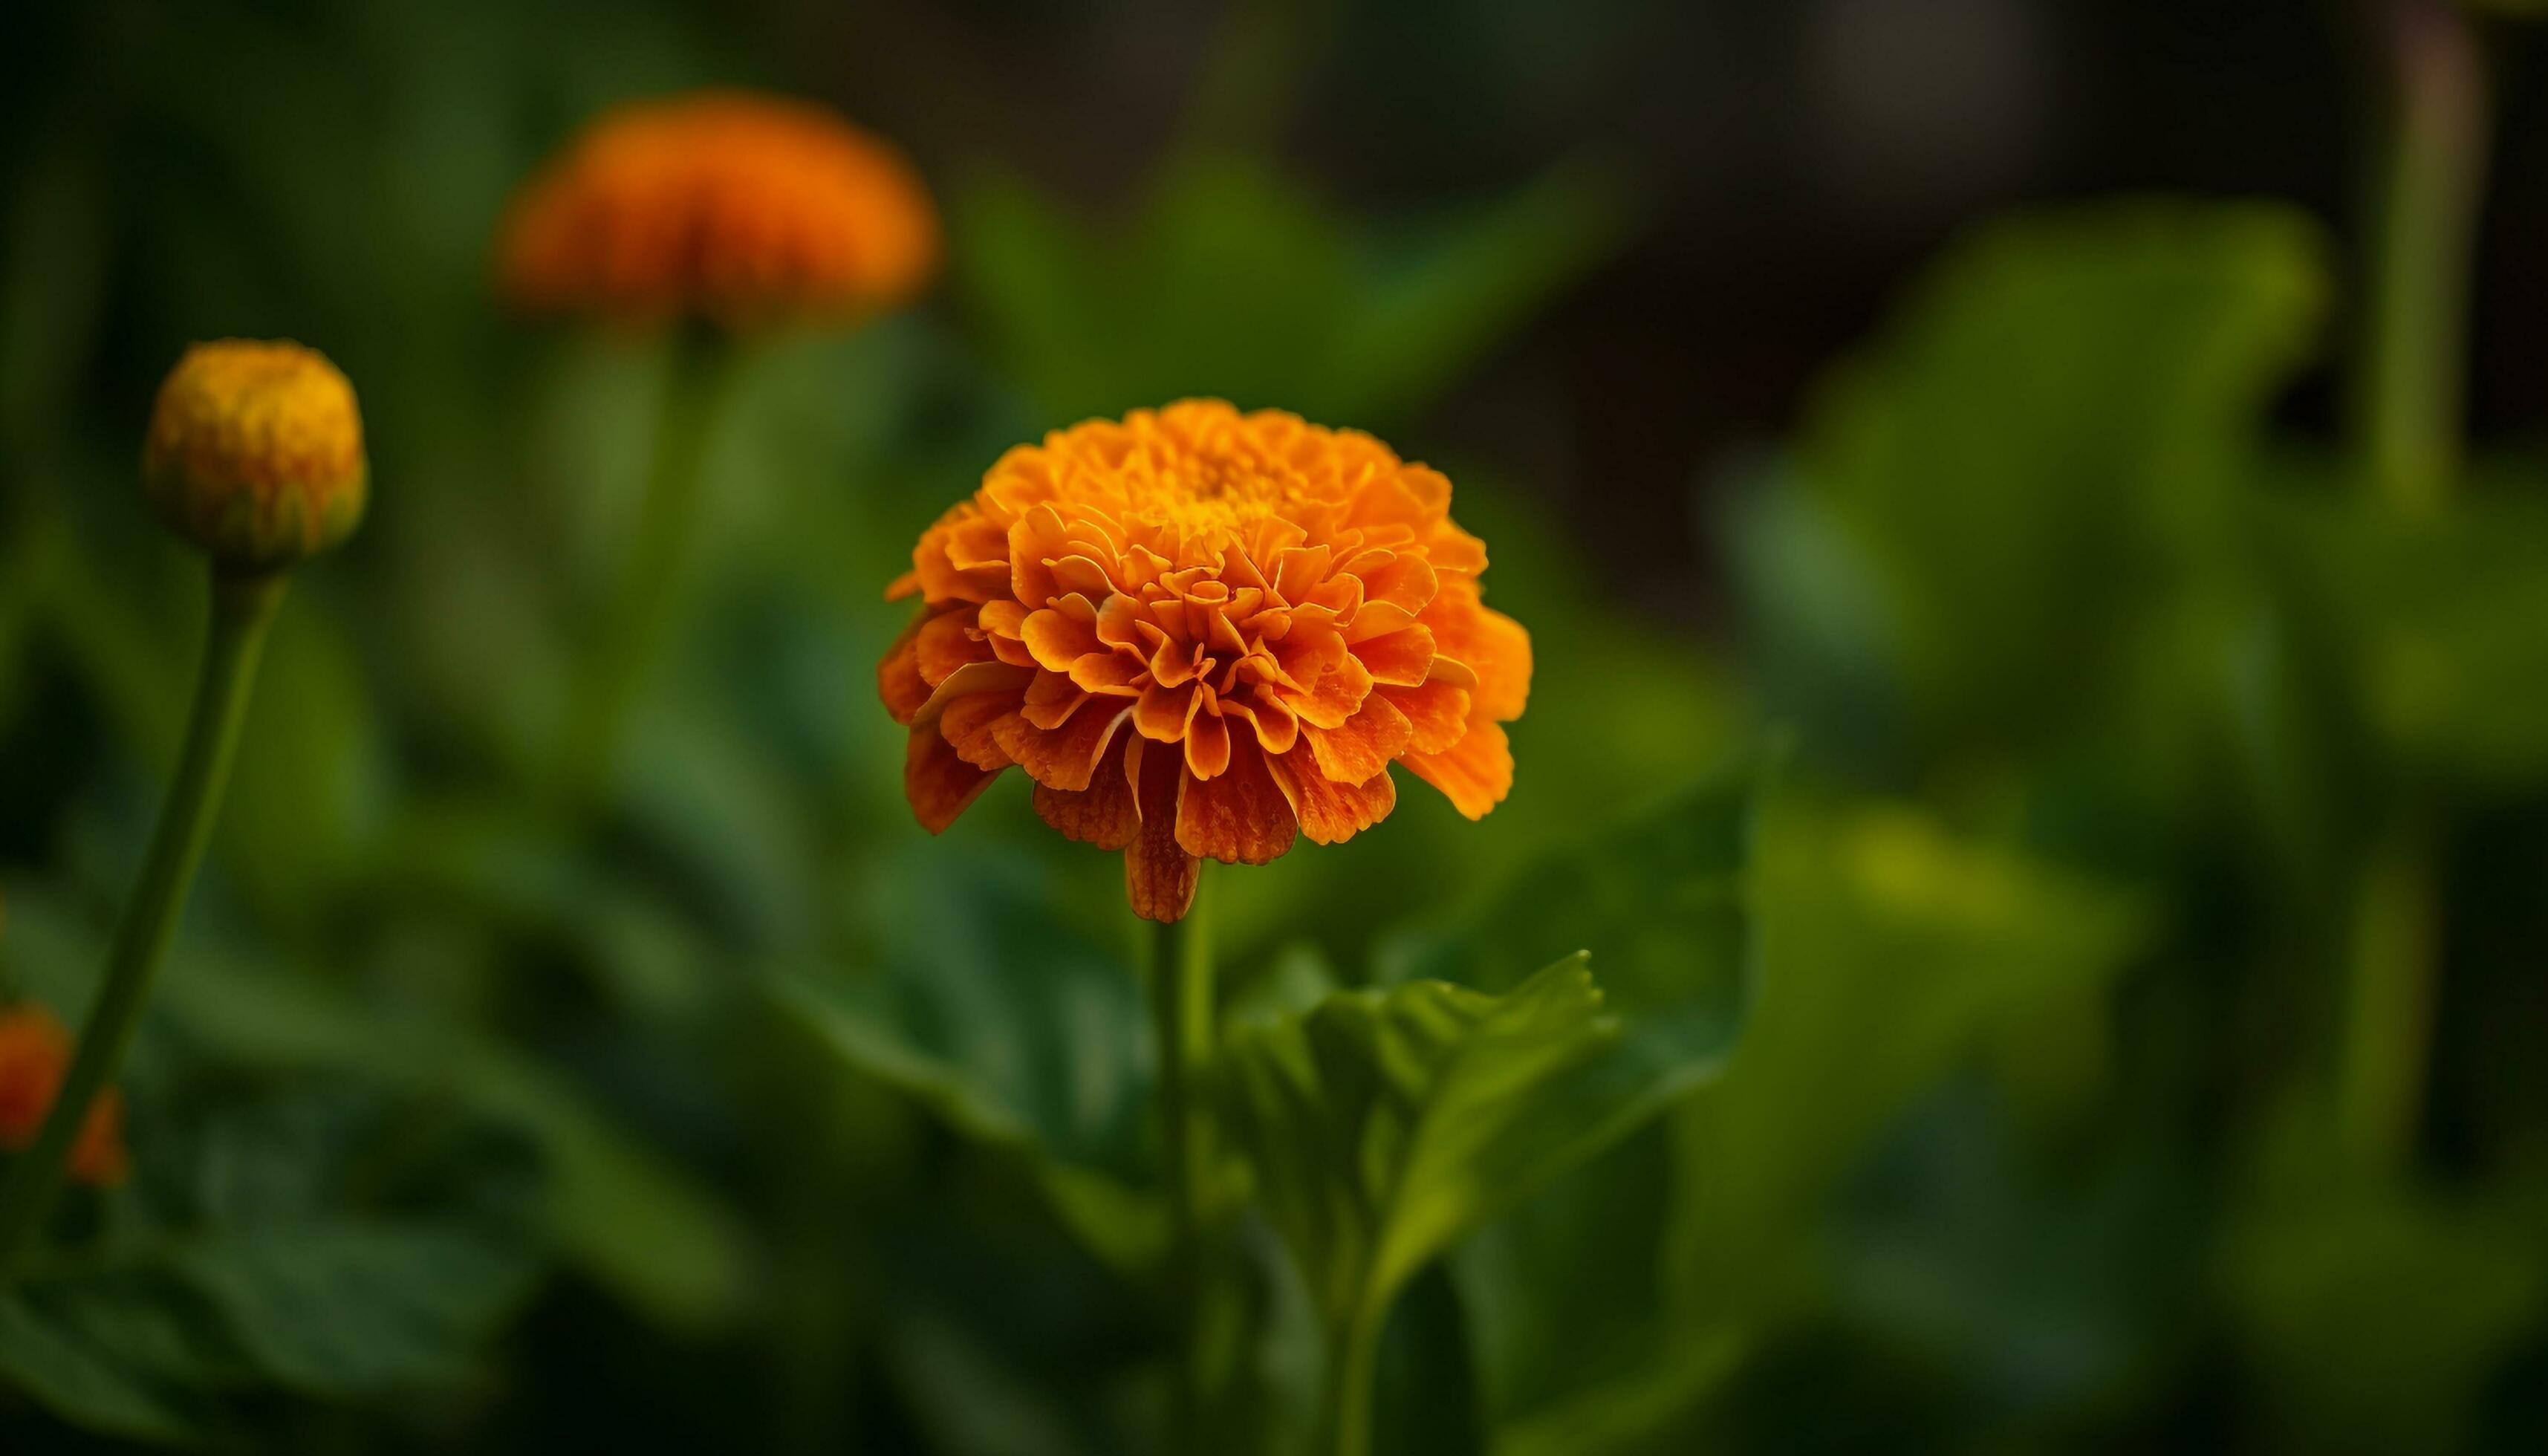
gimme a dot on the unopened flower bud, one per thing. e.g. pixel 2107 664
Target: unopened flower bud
pixel 257 454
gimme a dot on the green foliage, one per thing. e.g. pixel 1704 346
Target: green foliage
pixel 1229 283
pixel 1384 1125
pixel 1663 899
pixel 609 1204
pixel 2049 434
pixel 2434 627
pixel 331 1245
pixel 1890 951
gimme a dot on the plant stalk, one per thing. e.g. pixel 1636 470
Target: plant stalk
pixel 2413 420
pixel 1353 1367
pixel 2433 176
pixel 244 609
pixel 644 609
pixel 1183 1017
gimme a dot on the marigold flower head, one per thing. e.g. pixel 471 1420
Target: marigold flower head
pixel 255 453
pixel 35 1055
pixel 1201 632
pixel 725 205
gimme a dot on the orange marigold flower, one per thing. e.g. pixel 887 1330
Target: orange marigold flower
pixel 255 453
pixel 1200 632
pixel 35 1055
pixel 726 206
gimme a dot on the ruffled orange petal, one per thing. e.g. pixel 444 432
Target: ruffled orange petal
pixel 1436 712
pixel 1105 813
pixel 1240 817
pixel 946 642
pixel 1208 746
pixel 1493 646
pixel 1402 659
pixel 1064 757
pixel 898 680
pixel 969 726
pixel 1158 875
pixel 1476 773
pixel 1331 812
pixel 1336 697
pixel 938 781
pixel 971 678
pixel 1365 744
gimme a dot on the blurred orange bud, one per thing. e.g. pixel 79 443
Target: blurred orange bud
pixel 35 1055
pixel 256 453
pixel 726 206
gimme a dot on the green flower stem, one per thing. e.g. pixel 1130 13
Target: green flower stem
pixel 1181 1003
pixel 2397 944
pixel 2432 179
pixel 1353 1364
pixel 2431 186
pixel 242 609
pixel 645 603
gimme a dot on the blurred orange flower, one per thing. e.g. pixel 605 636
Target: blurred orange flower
pixel 1200 632
pixel 727 205
pixel 35 1055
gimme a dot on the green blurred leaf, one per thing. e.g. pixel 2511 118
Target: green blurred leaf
pixel 353 1309
pixel 1891 948
pixel 1566 1289
pixel 630 1219
pixel 1443 297
pixel 2437 625
pixel 973 994
pixel 1891 951
pixel 81 1359
pixel 1385 1125
pixel 2374 1315
pixel 325 1242
pixel 1663 899
pixel 2050 436
pixel 1231 283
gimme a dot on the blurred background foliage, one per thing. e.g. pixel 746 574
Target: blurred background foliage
pixel 1973 765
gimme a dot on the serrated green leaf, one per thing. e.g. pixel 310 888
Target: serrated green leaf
pixel 1385 1125
pixel 1663 900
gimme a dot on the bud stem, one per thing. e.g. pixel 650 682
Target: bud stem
pixel 243 608
pixel 2431 188
pixel 645 601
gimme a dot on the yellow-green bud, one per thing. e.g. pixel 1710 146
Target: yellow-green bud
pixel 257 454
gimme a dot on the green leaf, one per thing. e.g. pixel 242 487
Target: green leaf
pixel 327 1241
pixel 1893 949
pixel 636 1223
pixel 974 995
pixel 1663 899
pixel 82 1362
pixel 2051 436
pixel 2375 1315
pixel 1442 299
pixel 1385 1125
pixel 346 1308
pixel 1229 282
pixel 2438 625
pixel 967 989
